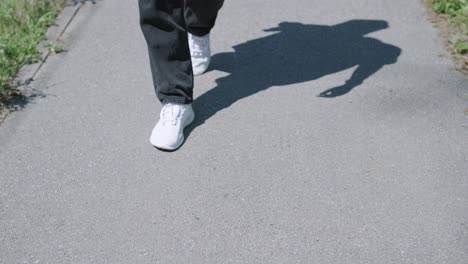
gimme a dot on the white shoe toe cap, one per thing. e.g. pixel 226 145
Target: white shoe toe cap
pixel 167 140
pixel 200 66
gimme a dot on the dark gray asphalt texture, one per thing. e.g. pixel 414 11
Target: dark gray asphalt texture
pixel 287 162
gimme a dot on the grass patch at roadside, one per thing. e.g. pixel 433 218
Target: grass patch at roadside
pixel 454 15
pixel 23 24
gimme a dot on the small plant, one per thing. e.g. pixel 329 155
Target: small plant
pixel 55 48
pixel 461 47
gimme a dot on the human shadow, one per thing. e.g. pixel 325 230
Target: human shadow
pixel 296 53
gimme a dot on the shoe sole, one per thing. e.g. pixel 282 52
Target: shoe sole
pixel 166 149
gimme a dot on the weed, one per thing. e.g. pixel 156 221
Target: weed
pixel 55 47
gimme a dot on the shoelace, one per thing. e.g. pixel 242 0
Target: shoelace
pixel 199 45
pixel 171 113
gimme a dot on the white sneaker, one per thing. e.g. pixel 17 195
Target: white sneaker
pixel 200 53
pixel 168 134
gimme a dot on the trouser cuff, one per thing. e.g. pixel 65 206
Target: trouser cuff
pixel 175 100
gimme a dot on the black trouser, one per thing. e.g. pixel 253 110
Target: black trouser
pixel 165 24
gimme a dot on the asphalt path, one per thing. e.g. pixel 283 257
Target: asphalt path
pixel 326 132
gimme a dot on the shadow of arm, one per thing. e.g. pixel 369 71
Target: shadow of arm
pixel 363 72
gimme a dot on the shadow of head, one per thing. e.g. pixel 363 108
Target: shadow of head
pixel 295 53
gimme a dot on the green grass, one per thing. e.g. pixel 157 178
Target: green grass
pixel 23 24
pixel 456 12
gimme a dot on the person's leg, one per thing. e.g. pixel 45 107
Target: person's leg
pixel 200 15
pixel 163 25
pixel 164 28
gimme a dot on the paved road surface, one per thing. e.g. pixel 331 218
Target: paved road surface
pixel 286 163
